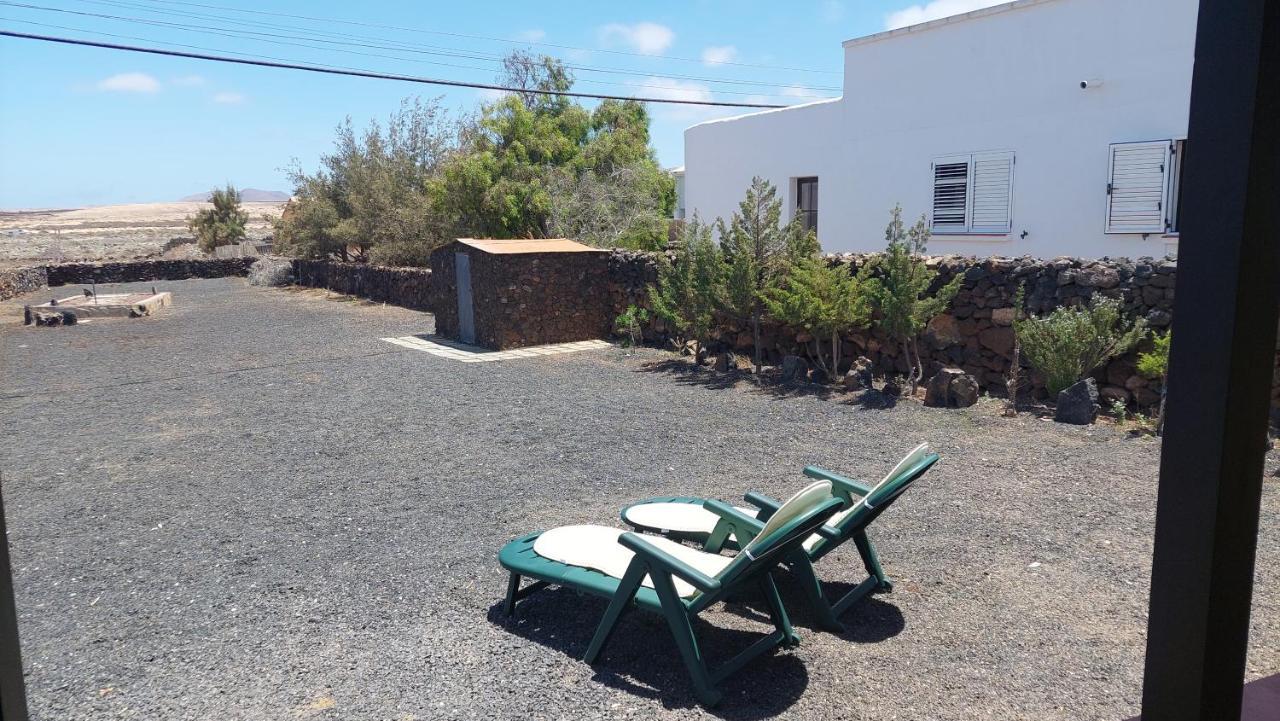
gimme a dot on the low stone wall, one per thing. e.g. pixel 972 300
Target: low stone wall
pixel 16 281
pixel 140 271
pixel 407 287
pixel 976 332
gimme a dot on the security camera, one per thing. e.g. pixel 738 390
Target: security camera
pixel 1086 84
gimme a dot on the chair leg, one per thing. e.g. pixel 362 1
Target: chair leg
pixel 673 609
pixel 719 534
pixel 618 605
pixel 513 587
pixel 805 575
pixel 778 612
pixel 871 560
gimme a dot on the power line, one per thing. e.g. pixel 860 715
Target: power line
pixel 368 73
pixel 395 44
pixel 485 37
pixel 282 39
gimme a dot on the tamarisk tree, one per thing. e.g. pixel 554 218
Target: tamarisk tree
pixel 759 250
pixel 900 287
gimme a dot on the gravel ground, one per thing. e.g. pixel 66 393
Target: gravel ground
pixel 249 507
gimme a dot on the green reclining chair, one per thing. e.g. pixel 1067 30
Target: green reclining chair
pixel 665 577
pixel 717 525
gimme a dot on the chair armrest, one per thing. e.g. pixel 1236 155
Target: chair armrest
pixel 733 515
pixel 848 485
pixel 828 532
pixel 768 506
pixel 657 557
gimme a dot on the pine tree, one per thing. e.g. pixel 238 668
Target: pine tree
pixel 688 289
pixel 758 250
pixel 900 290
pixel 823 299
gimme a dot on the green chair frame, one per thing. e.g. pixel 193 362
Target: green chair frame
pixel 735 529
pixel 745 570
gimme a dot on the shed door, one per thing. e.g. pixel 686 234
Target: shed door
pixel 466 318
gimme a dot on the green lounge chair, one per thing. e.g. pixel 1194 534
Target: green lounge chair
pixel 717 525
pixel 665 577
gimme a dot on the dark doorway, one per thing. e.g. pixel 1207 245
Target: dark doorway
pixel 807 202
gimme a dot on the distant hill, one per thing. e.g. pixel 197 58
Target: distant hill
pixel 248 195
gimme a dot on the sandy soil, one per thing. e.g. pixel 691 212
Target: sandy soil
pixel 110 232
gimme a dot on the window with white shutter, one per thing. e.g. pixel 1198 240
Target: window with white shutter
pixel 973 193
pixel 1140 195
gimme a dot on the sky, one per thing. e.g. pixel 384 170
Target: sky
pixel 88 126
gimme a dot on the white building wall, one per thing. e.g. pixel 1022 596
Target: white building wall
pixel 1007 78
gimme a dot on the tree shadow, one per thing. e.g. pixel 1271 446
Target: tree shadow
pixel 768 383
pixel 641 657
pixel 874 400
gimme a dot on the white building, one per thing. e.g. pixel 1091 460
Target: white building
pixel 1037 127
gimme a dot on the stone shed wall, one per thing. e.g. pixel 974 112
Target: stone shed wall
pixel 524 299
pixel 976 332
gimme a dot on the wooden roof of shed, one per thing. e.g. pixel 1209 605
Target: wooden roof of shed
pixel 528 245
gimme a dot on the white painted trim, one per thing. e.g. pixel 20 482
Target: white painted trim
pixel 940 22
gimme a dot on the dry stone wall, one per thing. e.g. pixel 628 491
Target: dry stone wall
pixel 16 281
pixel 140 271
pixel 407 287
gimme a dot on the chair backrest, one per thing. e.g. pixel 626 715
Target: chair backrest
pixel 902 468
pixel 884 494
pixel 787 528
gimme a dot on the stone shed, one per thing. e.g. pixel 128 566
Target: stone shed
pixel 513 293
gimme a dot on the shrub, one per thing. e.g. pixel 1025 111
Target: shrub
pixel 1156 365
pixel 223 224
pixel 630 323
pixel 271 271
pixel 1069 343
pixel 823 299
pixel 899 288
pixel 689 289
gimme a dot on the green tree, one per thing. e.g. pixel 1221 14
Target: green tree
pixel 899 288
pixel 825 300
pixel 1155 364
pixel 223 224
pixel 759 250
pixel 688 289
pixel 1069 343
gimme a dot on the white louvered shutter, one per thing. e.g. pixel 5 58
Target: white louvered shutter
pixel 951 177
pixel 1137 190
pixel 992 206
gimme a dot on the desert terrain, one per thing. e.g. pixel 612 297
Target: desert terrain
pixel 110 232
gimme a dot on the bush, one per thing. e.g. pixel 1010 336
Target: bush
pixel 1069 343
pixel 271 271
pixel 630 323
pixel 223 224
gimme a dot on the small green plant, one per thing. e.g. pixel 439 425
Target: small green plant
pixel 899 288
pixel 1069 343
pixel 823 299
pixel 1119 410
pixel 1156 365
pixel 1013 381
pixel 630 323
pixel 223 224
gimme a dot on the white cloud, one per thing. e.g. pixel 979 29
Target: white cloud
pixel 532 35
pixel 648 38
pixel 228 98
pixel 832 10
pixel 189 81
pixel 489 95
pixel 719 54
pixel 673 89
pixel 934 10
pixel 793 91
pixel 130 83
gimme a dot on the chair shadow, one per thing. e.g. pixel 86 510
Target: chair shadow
pixel 870 620
pixel 641 657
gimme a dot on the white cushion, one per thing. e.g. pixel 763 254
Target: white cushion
pixel 804 501
pixel 916 455
pixel 597 547
pixel 678 517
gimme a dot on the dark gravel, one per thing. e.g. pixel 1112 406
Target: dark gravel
pixel 250 507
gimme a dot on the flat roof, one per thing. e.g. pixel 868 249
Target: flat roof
pixel 528 245
pixel 950 20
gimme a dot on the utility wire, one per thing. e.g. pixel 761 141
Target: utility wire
pixel 368 73
pixel 485 37
pixel 380 42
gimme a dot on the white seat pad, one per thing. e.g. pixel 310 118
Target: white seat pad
pixel 597 547
pixel 677 517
